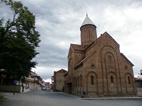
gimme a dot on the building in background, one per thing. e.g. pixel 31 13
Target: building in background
pixel 58 80
pixel 96 67
pixel 138 81
pixel 48 85
pixel 34 81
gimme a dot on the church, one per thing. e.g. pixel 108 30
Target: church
pixel 97 67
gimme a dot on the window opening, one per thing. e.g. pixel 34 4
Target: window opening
pixel 92 80
pixel 129 81
pixel 111 79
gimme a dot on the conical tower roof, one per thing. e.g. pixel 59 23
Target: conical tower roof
pixel 87 21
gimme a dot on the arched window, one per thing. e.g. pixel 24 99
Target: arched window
pixel 129 81
pixel 109 61
pixel 92 80
pixel 111 79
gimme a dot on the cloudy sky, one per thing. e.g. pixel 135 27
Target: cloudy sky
pixel 59 21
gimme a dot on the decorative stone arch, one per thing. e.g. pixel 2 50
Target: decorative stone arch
pixel 108 49
pixel 92 87
pixel 112 84
pixel 129 83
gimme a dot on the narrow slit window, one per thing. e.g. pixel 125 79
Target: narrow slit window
pixel 92 80
pixel 129 81
pixel 111 79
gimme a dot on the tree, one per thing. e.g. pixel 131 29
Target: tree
pixel 18 41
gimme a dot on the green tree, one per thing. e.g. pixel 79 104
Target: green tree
pixel 18 41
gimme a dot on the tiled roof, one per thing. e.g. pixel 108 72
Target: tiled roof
pixel 77 47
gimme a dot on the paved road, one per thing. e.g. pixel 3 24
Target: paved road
pixel 47 98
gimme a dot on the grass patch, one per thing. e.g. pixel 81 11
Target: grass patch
pixel 1 97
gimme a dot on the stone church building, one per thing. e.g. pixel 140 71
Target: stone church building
pixel 97 67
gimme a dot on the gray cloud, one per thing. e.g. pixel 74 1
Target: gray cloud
pixel 59 21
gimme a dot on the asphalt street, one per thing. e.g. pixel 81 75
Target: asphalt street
pixel 48 98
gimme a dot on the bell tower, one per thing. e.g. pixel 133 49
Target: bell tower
pixel 88 32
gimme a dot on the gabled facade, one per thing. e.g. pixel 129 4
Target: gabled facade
pixel 97 67
pixel 59 80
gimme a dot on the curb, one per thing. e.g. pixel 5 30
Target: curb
pixel 114 98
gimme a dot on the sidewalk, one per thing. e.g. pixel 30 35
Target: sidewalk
pixel 114 98
pixel 106 98
pixel 7 94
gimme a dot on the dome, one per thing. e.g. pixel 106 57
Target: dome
pixel 87 21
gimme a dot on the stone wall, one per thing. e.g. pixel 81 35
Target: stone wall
pixel 10 88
